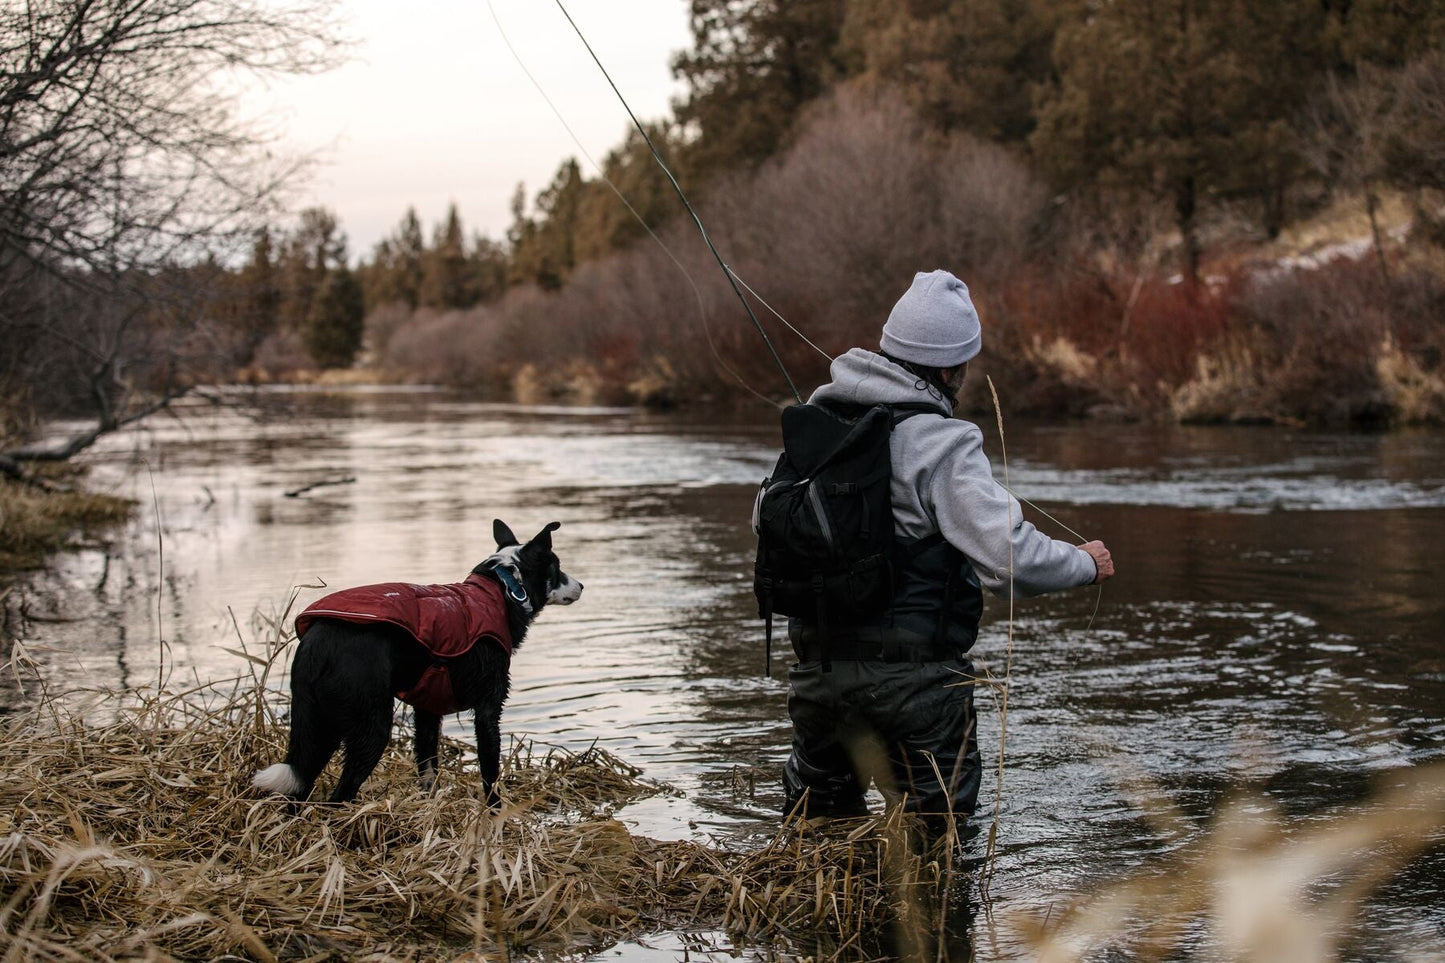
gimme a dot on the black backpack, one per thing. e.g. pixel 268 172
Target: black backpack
pixel 824 517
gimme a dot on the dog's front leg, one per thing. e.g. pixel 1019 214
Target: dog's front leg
pixel 489 751
pixel 428 736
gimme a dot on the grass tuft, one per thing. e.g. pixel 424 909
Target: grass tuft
pixel 35 523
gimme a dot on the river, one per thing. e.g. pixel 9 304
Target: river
pixel 1276 624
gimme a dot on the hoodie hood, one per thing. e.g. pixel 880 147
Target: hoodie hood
pixel 862 377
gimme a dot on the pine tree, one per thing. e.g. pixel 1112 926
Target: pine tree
pixel 752 68
pixel 334 323
pixel 308 254
pixel 488 266
pixel 604 224
pixel 967 65
pixel 544 249
pixel 394 275
pixel 1189 99
pixel 447 280
pixel 257 297
pixel 409 251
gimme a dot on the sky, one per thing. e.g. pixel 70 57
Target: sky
pixel 433 109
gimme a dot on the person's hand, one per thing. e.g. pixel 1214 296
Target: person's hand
pixel 1103 561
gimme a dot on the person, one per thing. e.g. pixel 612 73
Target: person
pixel 891 701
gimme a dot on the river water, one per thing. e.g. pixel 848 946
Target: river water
pixel 1276 625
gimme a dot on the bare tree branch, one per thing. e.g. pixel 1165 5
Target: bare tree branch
pixel 78 443
pixel 123 159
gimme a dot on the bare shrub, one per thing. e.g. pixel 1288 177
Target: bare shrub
pixel 836 226
pixel 1317 331
pixel 280 357
pixel 992 208
pixel 1169 327
pixel 451 348
pixel 381 323
pixel 833 225
pixel 830 232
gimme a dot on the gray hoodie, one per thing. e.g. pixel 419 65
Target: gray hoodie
pixel 942 482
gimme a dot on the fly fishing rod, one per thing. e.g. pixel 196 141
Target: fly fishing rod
pixel 657 156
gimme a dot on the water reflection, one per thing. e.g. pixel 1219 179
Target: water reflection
pixel 1278 620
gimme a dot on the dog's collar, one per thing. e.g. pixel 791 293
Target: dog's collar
pixel 513 587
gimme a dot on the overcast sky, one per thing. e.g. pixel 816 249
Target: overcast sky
pixel 434 109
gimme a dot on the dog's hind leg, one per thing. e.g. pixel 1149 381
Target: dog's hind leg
pixel 365 741
pixel 313 742
pixel 428 736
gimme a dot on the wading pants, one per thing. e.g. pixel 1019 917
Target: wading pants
pixel 908 727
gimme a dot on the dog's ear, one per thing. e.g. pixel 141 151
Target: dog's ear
pixel 502 533
pixel 544 537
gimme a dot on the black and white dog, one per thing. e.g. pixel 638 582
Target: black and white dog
pixel 440 648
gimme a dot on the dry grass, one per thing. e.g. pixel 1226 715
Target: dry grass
pixel 140 836
pixel 1064 359
pixel 1226 387
pixel 1416 396
pixel 34 523
pixel 128 829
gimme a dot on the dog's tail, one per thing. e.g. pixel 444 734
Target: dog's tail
pixel 280 778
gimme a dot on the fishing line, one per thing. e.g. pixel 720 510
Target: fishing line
pixel 1097 598
pixel 733 277
pixel 785 321
pixel 685 203
pixel 602 174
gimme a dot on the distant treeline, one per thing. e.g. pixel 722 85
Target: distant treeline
pixel 1118 183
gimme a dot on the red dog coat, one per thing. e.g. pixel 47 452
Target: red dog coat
pixel 447 619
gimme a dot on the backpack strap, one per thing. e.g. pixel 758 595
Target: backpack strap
pixel 903 412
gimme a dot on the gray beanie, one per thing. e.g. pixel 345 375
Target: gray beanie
pixel 934 323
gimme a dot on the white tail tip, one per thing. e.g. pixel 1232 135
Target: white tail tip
pixel 279 778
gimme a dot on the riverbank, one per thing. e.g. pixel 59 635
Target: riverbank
pixel 142 836
pixel 1322 338
pixel 35 522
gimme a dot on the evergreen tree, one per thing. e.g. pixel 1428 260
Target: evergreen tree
pixel 1185 98
pixel 394 275
pixel 447 280
pixel 752 68
pixel 966 64
pixel 544 249
pixel 604 223
pixel 409 250
pixel 333 329
pixel 257 296
pixel 520 243
pixel 488 266
pixel 1387 33
pixel 308 255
